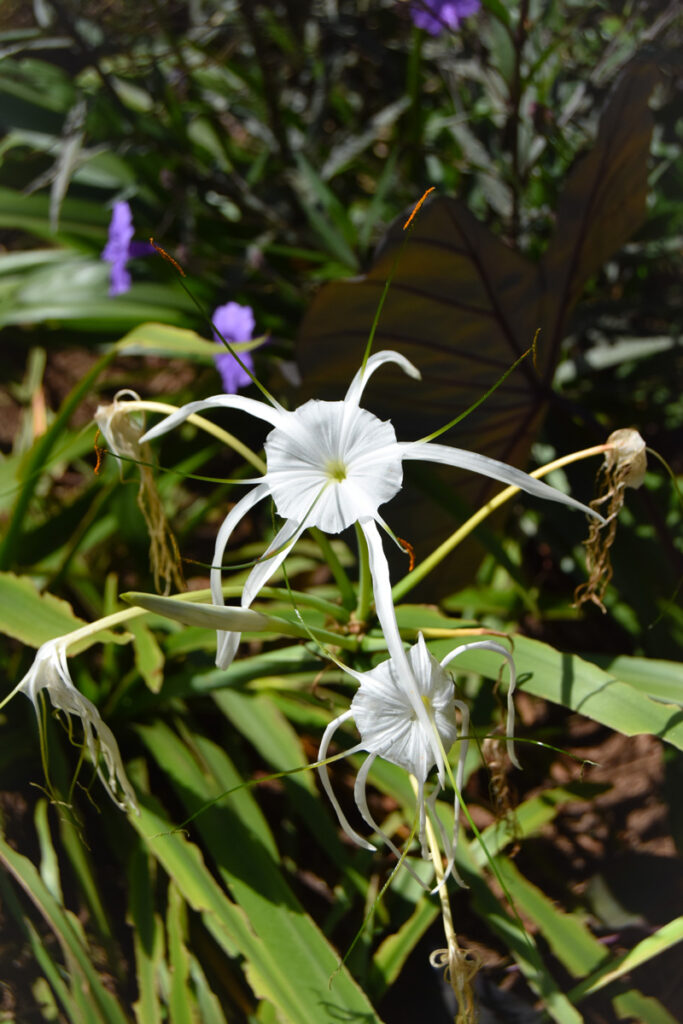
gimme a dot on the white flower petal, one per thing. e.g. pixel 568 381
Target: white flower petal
pixel 50 672
pixel 332 463
pixel 270 561
pixel 384 607
pixel 327 785
pixel 491 645
pixel 358 383
pixel 362 805
pixel 261 410
pixel 227 642
pixel 428 452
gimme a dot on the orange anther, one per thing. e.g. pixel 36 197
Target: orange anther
pixel 409 550
pixel 162 252
pixel 99 452
pixel 417 206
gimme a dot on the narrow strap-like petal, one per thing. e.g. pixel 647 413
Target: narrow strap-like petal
pixel 491 645
pixel 271 560
pixel 428 452
pixel 327 785
pixel 374 362
pixel 362 805
pixel 459 780
pixel 384 606
pixel 227 641
pixel 276 417
pixel 448 846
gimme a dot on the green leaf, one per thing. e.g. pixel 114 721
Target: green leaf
pixel 34 618
pixel 392 954
pixel 180 1001
pixel 292 961
pixel 259 720
pixel 148 941
pixel 102 1004
pixel 49 864
pixel 173 342
pixel 569 939
pixel 577 948
pixel 209 1007
pixel 149 657
pixel 531 815
pixel 644 1009
pixel 664 938
pixel 581 686
pixel 661 680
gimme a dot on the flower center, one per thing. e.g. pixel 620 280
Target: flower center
pixel 332 443
pixel 336 470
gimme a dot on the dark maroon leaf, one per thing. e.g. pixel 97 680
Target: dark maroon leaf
pixel 463 306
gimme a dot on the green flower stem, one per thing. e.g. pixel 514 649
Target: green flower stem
pixel 411 579
pixel 39 455
pixel 199 421
pixel 348 594
pixel 364 577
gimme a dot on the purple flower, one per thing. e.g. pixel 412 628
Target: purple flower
pixel 120 248
pixel 436 15
pixel 235 323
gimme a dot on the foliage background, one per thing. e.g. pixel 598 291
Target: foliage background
pixel 268 147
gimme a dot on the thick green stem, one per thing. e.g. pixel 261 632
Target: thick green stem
pixel 364 577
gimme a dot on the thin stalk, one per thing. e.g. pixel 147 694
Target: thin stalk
pixel 411 580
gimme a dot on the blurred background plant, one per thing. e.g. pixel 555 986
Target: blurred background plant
pixel 267 147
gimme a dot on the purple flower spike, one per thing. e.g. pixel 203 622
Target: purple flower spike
pixel 235 323
pixel 120 248
pixel 115 251
pixel 436 15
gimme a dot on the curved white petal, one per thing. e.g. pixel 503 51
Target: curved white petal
pixel 384 606
pixel 490 645
pixel 459 780
pixel 335 456
pixel 327 785
pixel 428 452
pixel 272 558
pixel 50 671
pixel 449 846
pixel 276 417
pixel 362 805
pixel 374 362
pixel 227 642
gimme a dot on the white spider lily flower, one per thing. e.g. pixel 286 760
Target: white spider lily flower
pixel 330 465
pixel 50 672
pixel 383 712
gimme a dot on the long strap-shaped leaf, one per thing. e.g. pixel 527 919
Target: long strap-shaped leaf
pixel 289 961
pixel 75 953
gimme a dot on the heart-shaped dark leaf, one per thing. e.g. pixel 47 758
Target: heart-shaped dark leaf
pixel 463 306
